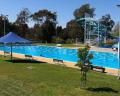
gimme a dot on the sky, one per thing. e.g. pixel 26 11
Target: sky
pixel 64 8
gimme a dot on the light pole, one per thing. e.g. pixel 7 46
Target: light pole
pixel 119 49
pixel 4 18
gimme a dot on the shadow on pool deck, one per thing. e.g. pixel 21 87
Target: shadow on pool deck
pixel 102 89
pixel 23 61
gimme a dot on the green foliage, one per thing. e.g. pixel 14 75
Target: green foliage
pixel 84 63
pixel 80 12
pixel 21 22
pixel 44 15
pixel 74 30
pixel 107 22
pixel 110 42
pixel 57 40
pixel 48 30
pixel 47 21
pixel 69 41
pixel 59 32
pixel 23 16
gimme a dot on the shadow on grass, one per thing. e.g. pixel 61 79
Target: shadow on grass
pixel 102 89
pixel 23 61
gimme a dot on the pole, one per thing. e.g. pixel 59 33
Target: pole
pixel 119 48
pixel 4 17
pixel 119 53
pixel 4 33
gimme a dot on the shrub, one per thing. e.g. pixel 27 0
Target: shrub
pixel 57 40
pixel 110 42
pixel 69 41
pixel 84 63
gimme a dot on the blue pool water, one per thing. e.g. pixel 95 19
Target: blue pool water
pixel 103 59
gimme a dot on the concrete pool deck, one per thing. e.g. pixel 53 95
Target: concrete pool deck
pixel 102 49
pixel 42 59
pixel 109 71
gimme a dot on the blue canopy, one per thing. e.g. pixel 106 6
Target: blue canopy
pixel 13 38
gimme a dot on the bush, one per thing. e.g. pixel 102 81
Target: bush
pixel 109 42
pixel 57 40
pixel 69 41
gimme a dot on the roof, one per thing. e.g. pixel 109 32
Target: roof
pixel 13 38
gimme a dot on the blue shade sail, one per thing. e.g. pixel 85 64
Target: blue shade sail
pixel 13 38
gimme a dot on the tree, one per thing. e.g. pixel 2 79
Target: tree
pixel 23 16
pixel 59 31
pixel 14 28
pixel 48 31
pixel 47 21
pixel 38 34
pixel 65 34
pixel 42 16
pixel 80 12
pixel 84 63
pixel 107 22
pixel 22 20
pixel 74 30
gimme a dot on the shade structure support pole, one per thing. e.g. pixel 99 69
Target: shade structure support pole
pixel 119 53
pixel 11 51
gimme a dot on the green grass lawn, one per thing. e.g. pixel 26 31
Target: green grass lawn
pixel 41 79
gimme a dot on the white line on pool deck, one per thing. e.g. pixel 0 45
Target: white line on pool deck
pixel 66 63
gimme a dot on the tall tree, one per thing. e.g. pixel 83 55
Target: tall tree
pixel 22 20
pixel 47 21
pixel 59 31
pixel 42 16
pixel 65 34
pixel 38 34
pixel 23 16
pixel 80 12
pixel 74 30
pixel 107 22
pixel 48 31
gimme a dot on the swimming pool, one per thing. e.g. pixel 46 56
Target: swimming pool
pixel 104 59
